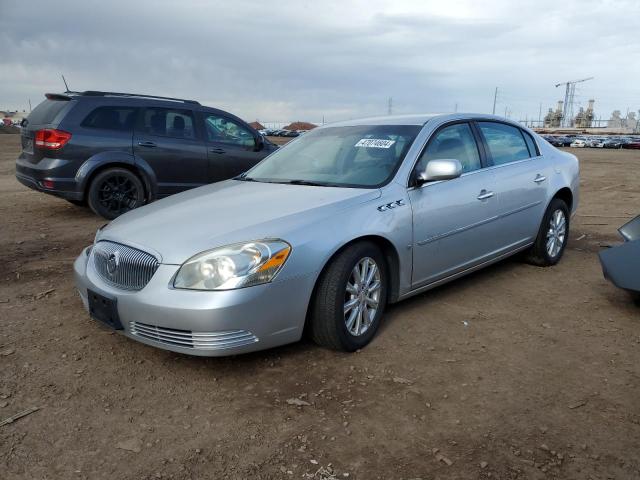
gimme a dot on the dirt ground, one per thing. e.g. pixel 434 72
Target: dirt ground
pixel 515 372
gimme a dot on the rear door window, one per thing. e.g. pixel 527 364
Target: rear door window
pixel 506 143
pixel 111 118
pixel 169 122
pixel 533 150
pixel 46 112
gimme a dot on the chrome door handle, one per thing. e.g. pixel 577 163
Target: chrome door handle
pixel 539 178
pixel 147 144
pixel 484 195
pixel 216 150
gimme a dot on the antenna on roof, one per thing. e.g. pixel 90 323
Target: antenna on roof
pixel 65 84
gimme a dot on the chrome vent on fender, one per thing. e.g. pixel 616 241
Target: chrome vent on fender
pixel 189 339
pixel 123 267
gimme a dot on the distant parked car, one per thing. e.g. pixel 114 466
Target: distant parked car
pixel 632 144
pixel 555 141
pixel 118 151
pixel 612 143
pixel 578 143
pixel 596 142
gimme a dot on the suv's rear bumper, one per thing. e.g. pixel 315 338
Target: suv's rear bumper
pixel 49 170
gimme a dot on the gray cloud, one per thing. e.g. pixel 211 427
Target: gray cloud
pixel 293 60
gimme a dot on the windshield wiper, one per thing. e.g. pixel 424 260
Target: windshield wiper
pixel 243 177
pixel 304 182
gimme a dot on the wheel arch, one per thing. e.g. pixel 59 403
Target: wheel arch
pixel 566 195
pixel 393 266
pixel 94 166
pixel 391 257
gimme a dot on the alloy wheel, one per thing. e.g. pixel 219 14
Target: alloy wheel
pixel 362 296
pixel 118 194
pixel 556 233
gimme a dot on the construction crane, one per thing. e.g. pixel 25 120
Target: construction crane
pixel 567 110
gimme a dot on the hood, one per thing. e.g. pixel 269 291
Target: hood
pixel 180 226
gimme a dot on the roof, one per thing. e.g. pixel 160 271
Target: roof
pixel 417 119
pixel 94 93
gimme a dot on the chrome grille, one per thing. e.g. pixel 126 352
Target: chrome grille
pixel 122 266
pixel 189 339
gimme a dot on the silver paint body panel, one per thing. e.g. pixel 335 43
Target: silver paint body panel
pixel 439 231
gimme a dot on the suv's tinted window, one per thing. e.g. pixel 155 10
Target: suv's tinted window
pixel 46 112
pixel 456 142
pixel 533 150
pixel 111 118
pixel 506 143
pixel 169 122
pixel 224 130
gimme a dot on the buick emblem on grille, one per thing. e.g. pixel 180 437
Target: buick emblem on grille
pixel 113 262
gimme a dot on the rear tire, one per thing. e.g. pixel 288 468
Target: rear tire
pixel 346 312
pixel 115 191
pixel 552 236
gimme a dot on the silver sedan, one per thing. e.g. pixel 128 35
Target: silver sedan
pixel 327 231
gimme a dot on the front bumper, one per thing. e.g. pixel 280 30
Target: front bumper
pixel 204 323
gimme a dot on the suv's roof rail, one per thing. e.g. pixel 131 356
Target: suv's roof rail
pixel 94 93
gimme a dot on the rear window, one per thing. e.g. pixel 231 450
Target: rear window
pixel 46 112
pixel 533 149
pixel 506 143
pixel 111 118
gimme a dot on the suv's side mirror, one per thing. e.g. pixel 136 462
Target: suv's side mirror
pixel 259 141
pixel 440 169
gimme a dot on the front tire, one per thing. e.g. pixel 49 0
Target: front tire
pixel 115 191
pixel 552 236
pixel 350 298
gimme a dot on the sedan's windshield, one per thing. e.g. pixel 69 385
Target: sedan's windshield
pixel 364 156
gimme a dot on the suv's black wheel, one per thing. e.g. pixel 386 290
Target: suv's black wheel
pixel 350 298
pixel 115 191
pixel 552 237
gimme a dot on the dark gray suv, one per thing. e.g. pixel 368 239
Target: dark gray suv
pixel 118 151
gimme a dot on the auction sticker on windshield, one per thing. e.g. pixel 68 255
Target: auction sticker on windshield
pixel 375 143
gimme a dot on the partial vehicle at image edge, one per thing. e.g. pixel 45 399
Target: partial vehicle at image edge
pixel 325 233
pixel 118 151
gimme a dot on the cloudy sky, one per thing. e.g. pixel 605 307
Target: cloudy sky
pixel 304 60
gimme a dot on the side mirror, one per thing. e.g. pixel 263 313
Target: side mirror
pixel 259 142
pixel 440 169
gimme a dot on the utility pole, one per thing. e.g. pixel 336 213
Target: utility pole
pixel 540 116
pixel 495 97
pixel 455 108
pixel 390 106
pixel 567 109
pixel 29 105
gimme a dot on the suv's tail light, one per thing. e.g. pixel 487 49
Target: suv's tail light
pixel 50 139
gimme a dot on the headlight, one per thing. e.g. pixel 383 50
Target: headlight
pixel 234 266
